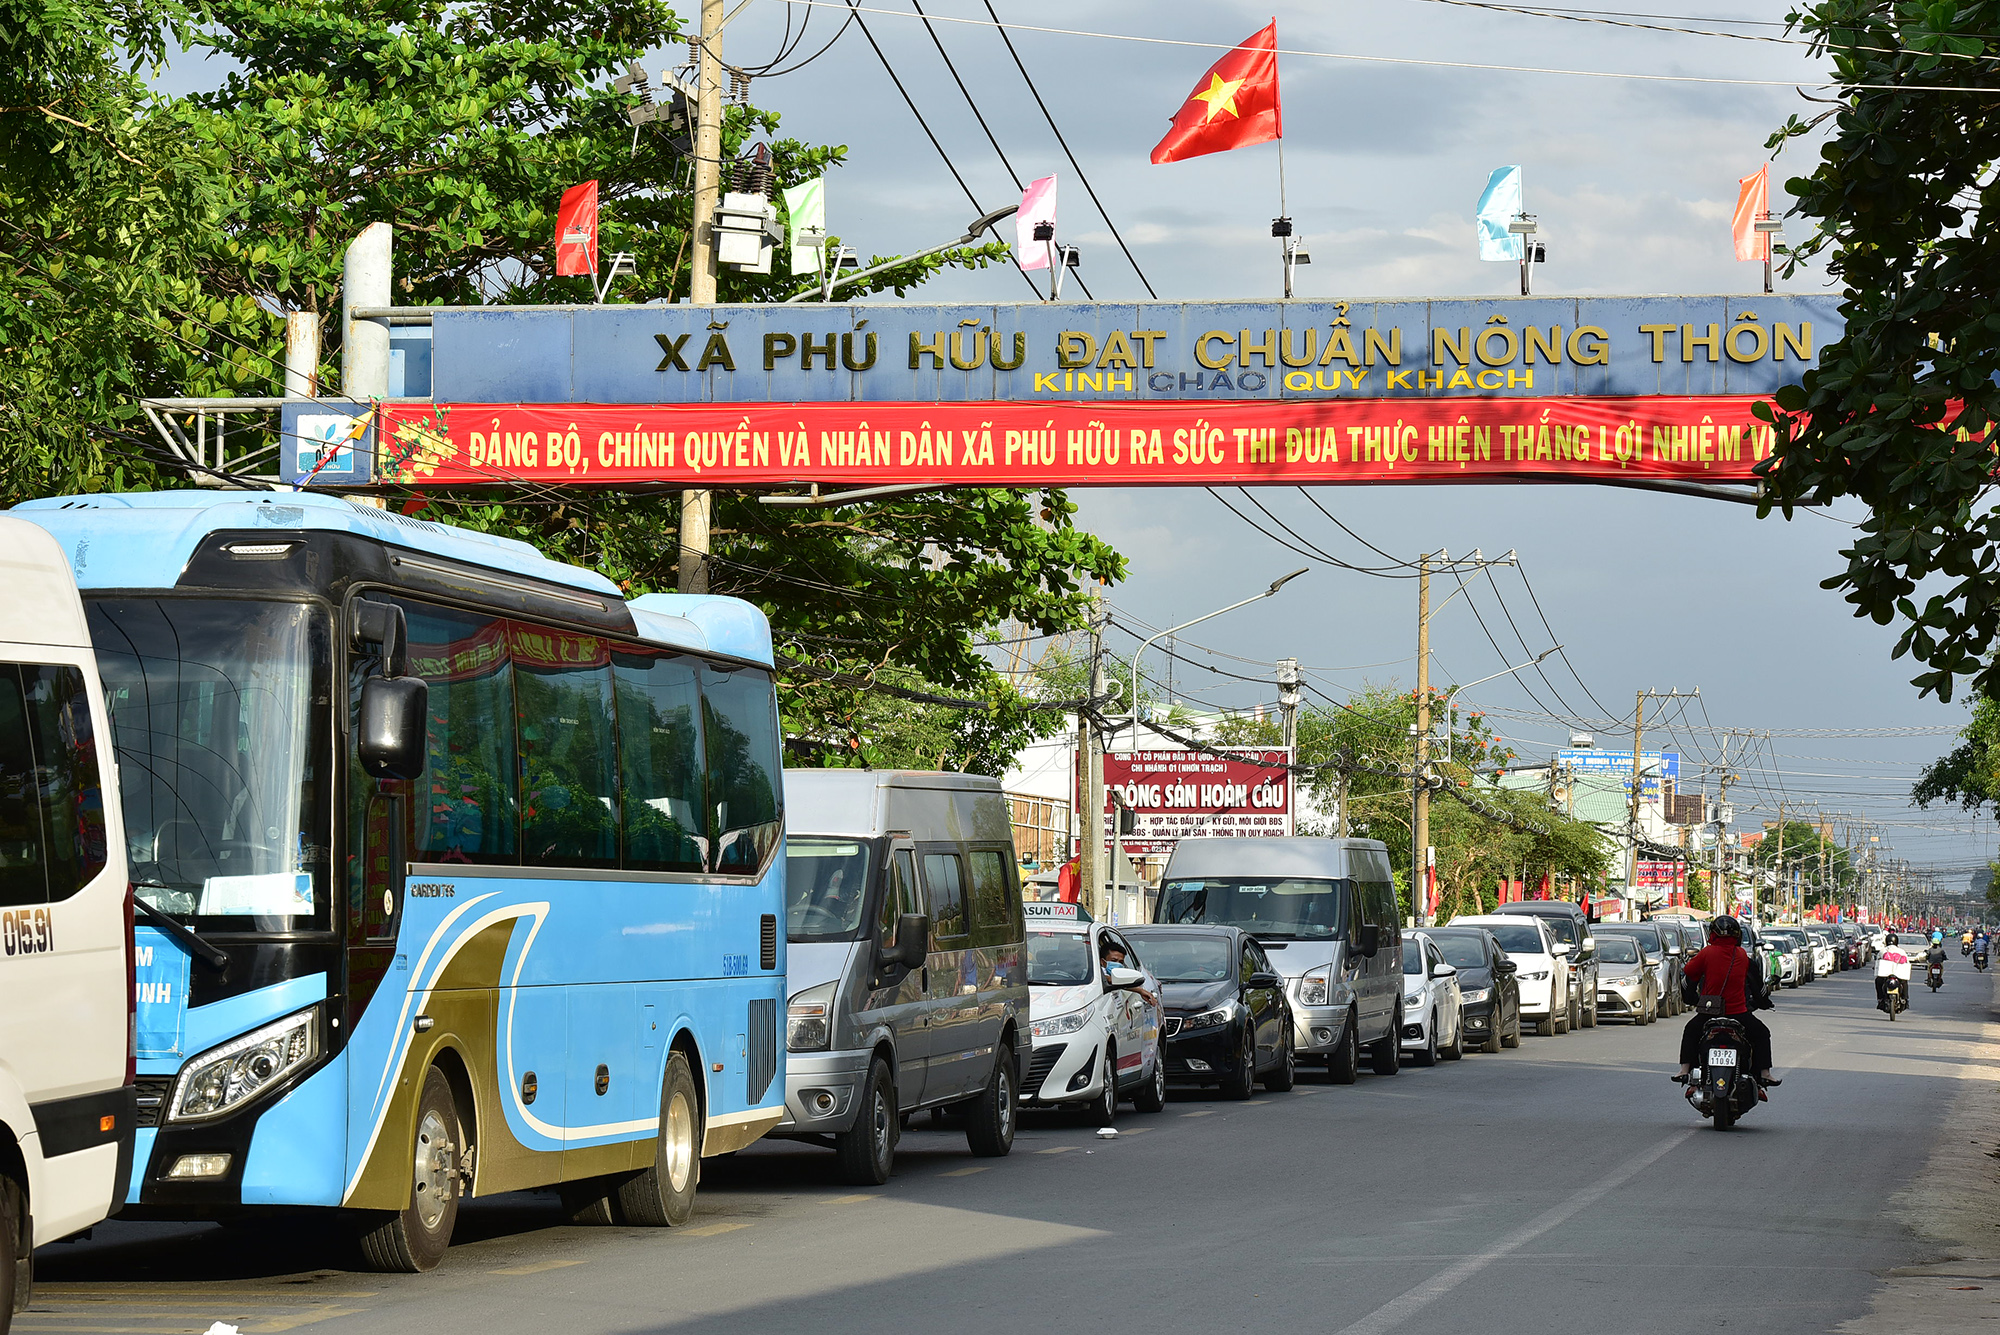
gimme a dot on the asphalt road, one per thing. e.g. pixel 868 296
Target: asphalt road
pixel 1564 1186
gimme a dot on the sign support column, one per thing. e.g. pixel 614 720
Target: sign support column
pixel 697 503
pixel 1420 793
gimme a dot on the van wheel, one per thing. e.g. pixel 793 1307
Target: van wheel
pixel 989 1122
pixel 663 1195
pixel 1286 1073
pixel 13 1273
pixel 1387 1058
pixel 1344 1066
pixel 1151 1097
pixel 868 1148
pixel 414 1238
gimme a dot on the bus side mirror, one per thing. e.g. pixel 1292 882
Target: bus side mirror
pixel 389 735
pixel 381 626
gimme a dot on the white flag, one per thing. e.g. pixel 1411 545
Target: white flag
pixel 806 204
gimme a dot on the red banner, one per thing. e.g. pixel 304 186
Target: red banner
pixel 1284 441
pixel 1176 794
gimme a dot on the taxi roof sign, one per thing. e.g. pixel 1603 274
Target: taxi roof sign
pixel 1055 910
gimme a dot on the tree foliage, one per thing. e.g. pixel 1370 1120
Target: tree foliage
pixel 1970 773
pixel 1897 412
pixel 1800 848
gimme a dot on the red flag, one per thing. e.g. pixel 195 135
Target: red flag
pixel 1753 202
pixel 1234 105
pixel 576 232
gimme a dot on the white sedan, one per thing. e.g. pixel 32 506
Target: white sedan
pixel 1095 1033
pixel 1433 1011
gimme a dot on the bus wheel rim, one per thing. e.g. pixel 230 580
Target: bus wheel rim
pixel 433 1170
pixel 680 1143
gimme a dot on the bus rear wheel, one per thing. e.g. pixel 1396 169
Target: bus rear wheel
pixel 414 1238
pixel 663 1195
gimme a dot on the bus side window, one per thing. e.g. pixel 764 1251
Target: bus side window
pixel 569 762
pixel 23 870
pixel 72 797
pixel 740 719
pixel 660 757
pixel 465 805
pixel 947 896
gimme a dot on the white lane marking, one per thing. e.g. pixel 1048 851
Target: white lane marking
pixel 534 1268
pixel 1400 1309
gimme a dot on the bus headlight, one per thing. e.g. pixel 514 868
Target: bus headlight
pixel 225 1078
pixel 806 1027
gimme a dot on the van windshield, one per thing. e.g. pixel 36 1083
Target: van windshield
pixel 1297 908
pixel 826 888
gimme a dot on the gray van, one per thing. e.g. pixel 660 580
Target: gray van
pixel 1326 913
pixel 905 968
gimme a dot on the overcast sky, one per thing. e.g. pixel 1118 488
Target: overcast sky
pixel 1633 182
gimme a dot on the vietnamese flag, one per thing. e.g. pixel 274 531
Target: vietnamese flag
pixel 1234 105
pixel 576 231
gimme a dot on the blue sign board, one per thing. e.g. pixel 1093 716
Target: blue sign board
pixel 1652 764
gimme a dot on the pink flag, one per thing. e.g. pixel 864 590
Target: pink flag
pixel 1038 205
pixel 1753 203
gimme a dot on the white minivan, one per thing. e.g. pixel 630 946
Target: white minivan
pixel 66 998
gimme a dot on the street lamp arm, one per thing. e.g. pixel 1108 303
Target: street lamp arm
pixel 972 234
pixel 1147 643
pixel 1508 672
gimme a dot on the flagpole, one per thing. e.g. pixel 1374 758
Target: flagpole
pixel 1284 242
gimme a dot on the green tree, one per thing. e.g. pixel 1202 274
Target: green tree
pixel 1820 862
pixel 1896 412
pixel 1970 773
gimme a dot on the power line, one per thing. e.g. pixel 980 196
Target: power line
pixel 1089 189
pixel 977 115
pixel 911 102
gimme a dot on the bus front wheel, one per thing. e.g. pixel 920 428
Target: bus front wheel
pixel 663 1195
pixel 415 1238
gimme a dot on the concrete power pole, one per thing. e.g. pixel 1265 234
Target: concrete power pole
pixel 1288 698
pixel 1091 864
pixel 1420 793
pixel 697 503
pixel 1638 792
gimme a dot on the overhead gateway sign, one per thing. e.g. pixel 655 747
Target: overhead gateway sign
pixel 1507 389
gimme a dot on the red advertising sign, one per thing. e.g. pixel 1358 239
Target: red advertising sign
pixel 1288 441
pixel 1662 874
pixel 1177 794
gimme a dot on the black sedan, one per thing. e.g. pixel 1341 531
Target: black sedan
pixel 1490 997
pixel 1226 1018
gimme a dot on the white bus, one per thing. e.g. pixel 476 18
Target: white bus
pixel 66 998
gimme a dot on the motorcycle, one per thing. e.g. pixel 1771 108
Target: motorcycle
pixel 1979 959
pixel 1895 996
pixel 1965 947
pixel 1722 1086
pixel 1935 976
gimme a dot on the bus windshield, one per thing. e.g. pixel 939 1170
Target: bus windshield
pixel 826 888
pixel 212 717
pixel 1301 908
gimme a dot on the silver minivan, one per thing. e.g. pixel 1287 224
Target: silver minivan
pixel 1326 913
pixel 905 968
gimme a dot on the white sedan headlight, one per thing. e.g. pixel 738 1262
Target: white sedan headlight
pixel 225 1078
pixel 1412 998
pixel 1540 976
pixel 1059 1024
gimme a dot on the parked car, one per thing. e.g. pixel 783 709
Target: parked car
pixel 1489 991
pixel 1790 947
pixel 1666 965
pixel 903 924
pixel 1824 960
pixel 1627 987
pixel 1227 1020
pixel 1432 1024
pixel 1757 942
pixel 1326 911
pixel 1095 1037
pixel 1536 953
pixel 1571 927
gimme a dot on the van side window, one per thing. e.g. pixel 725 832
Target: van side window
pixel 947 895
pixel 992 914
pixel 899 896
pixel 72 798
pixel 23 875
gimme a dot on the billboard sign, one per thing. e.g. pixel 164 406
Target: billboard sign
pixel 1618 764
pixel 1662 875
pixel 1178 794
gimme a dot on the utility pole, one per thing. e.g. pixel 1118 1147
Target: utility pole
pixel 697 503
pixel 1638 792
pixel 1288 698
pixel 1095 893
pixel 1420 793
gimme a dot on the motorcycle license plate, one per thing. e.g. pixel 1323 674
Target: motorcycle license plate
pixel 1722 1056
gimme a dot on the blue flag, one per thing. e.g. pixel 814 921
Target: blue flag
pixel 1498 205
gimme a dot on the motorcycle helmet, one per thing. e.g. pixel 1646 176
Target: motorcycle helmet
pixel 1891 941
pixel 1725 926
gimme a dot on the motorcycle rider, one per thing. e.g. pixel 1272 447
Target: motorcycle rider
pixel 1726 968
pixel 1894 963
pixel 1935 957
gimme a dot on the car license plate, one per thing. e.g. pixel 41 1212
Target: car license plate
pixel 1722 1056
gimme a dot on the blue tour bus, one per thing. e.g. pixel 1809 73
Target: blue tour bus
pixel 457 872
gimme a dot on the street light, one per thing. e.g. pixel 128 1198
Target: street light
pixel 1276 584
pixel 973 231
pixel 1507 672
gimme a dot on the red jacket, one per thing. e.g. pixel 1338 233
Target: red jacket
pixel 1722 966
